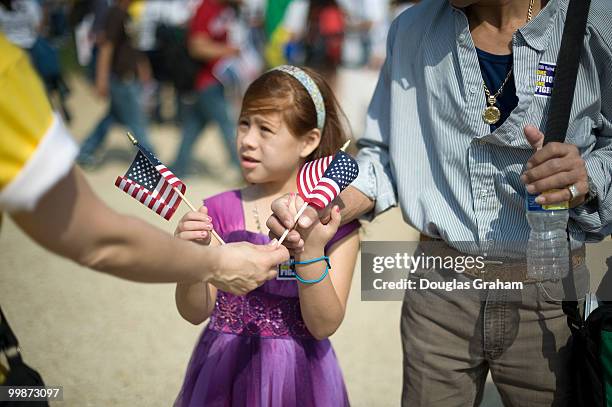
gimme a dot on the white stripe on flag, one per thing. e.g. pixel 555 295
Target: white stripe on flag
pixel 167 192
pixel 156 206
pixel 148 200
pixel 158 187
pixel 131 189
pixel 320 197
pixel 173 199
pixel 303 181
pixel 324 190
pixel 328 182
pixel 308 184
pixel 165 211
pixel 320 169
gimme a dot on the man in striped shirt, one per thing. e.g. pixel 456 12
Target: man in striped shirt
pixel 461 179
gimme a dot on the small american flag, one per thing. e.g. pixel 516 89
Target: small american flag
pixel 151 183
pixel 310 174
pixel 321 181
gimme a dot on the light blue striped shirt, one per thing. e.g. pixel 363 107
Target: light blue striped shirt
pixel 427 147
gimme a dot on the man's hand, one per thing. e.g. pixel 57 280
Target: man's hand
pixel 319 233
pixel 283 213
pixel 555 166
pixel 242 267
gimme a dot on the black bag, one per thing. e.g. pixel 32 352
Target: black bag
pixel 181 67
pixel 589 372
pixel 19 374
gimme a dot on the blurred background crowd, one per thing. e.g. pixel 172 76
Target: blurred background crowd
pixel 187 62
pixel 172 72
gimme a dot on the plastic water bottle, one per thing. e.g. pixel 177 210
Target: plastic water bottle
pixel 547 249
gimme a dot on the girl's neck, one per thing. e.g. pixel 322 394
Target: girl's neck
pixel 273 189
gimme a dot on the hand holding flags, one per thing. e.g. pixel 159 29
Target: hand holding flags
pixel 320 181
pixel 151 183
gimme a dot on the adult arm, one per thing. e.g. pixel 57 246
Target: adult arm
pixel 70 220
pixel 203 48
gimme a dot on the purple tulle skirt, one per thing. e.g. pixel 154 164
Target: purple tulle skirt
pixel 235 370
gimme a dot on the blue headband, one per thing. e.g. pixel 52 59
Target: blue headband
pixel 311 88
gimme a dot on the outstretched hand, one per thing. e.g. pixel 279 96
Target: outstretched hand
pixel 242 267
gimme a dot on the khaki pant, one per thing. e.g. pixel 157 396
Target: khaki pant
pixel 451 340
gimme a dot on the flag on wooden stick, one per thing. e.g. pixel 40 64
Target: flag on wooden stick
pixel 150 182
pixel 320 181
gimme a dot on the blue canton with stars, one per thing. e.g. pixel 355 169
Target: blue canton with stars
pixel 143 172
pixel 343 170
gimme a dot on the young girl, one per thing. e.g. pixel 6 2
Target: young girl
pixel 270 347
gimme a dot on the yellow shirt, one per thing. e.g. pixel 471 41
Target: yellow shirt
pixel 36 150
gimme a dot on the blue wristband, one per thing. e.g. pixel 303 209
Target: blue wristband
pixel 317 280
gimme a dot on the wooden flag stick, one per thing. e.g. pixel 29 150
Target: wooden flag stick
pixel 345 146
pixel 214 233
pixel 295 219
pixel 304 206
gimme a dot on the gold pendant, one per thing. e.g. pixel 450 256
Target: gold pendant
pixel 491 115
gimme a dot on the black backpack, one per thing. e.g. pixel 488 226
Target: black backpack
pixel 181 68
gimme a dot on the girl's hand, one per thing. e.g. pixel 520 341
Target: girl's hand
pixel 195 226
pixel 316 236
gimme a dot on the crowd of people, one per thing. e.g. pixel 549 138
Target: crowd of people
pixel 206 51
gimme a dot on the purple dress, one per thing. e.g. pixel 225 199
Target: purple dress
pixel 256 350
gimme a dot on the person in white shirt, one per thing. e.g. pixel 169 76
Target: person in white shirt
pixel 20 21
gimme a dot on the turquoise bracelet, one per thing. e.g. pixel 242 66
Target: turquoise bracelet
pixel 317 280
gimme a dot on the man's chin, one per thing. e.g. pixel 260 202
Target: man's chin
pixel 462 3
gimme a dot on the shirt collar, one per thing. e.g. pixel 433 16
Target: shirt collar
pixel 536 33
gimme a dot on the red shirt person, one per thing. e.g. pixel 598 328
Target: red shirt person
pixel 208 42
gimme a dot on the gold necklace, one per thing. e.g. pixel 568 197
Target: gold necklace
pixel 492 114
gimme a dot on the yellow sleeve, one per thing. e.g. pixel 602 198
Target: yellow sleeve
pixel 36 150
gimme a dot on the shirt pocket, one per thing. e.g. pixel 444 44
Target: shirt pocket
pixel 582 124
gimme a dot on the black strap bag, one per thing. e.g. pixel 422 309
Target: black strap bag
pixel 591 340
pixel 17 373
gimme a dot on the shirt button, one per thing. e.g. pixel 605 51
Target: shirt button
pixel 484 193
pixel 473 89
